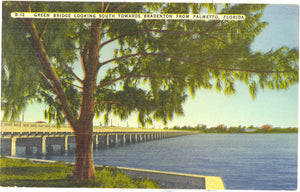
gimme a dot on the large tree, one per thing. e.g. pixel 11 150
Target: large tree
pixel 156 64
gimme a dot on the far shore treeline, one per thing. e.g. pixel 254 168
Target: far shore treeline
pixel 238 129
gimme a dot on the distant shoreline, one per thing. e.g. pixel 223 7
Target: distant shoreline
pixel 254 133
pixel 238 130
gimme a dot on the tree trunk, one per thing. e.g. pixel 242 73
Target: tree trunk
pixel 83 170
pixel 83 125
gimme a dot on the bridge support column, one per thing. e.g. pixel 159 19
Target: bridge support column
pixel 124 139
pixel 66 148
pixel 107 140
pixel 95 142
pixel 43 145
pixel 13 146
pixel 141 137
pixel 116 139
pixel 130 139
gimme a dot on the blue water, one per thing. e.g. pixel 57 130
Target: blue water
pixel 244 161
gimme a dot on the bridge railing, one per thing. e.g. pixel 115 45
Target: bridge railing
pixel 19 127
pixel 32 127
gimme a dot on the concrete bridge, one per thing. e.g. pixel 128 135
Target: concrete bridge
pixel 43 138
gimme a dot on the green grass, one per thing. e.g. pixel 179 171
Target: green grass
pixel 23 173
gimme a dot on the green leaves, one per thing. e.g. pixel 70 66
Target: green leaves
pixel 155 64
pixel 252 89
pixel 19 65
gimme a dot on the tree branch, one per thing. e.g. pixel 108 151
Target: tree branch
pixel 86 113
pixel 20 5
pixel 101 6
pixel 43 29
pixel 114 102
pixel 44 78
pixel 93 46
pixel 119 7
pixel 46 65
pixel 129 76
pixel 75 86
pixel 213 37
pixel 162 31
pixel 199 63
pixel 211 26
pixel 107 5
pixel 69 70
pixel 146 54
pixel 83 57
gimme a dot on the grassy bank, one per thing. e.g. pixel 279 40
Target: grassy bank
pixel 23 173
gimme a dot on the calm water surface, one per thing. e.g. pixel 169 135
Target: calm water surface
pixel 244 161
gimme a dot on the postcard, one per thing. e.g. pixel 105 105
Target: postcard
pixel 149 95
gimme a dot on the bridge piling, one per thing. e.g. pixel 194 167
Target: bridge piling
pixel 107 140
pixel 43 145
pixel 124 139
pixel 116 139
pixel 13 146
pixel 135 138
pixel 66 143
pixel 95 142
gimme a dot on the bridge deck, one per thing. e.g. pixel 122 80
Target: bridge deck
pixel 20 127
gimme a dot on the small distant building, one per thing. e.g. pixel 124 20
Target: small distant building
pixel 265 127
pixel 249 130
pixel 222 127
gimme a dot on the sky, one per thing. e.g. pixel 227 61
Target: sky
pixel 276 108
